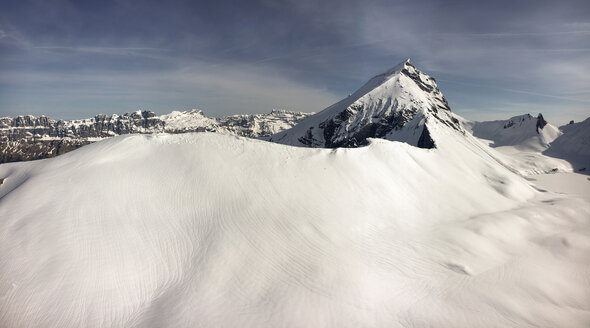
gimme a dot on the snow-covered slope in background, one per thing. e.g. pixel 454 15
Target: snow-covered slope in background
pixel 520 141
pixel 28 137
pixel 261 125
pixel 573 145
pixel 402 104
pixel 525 132
pixel 211 230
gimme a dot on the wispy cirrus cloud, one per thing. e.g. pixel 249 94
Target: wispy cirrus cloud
pixel 217 55
pixel 217 90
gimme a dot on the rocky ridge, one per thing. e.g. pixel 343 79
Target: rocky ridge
pixel 30 137
pixel 402 104
pixel 525 131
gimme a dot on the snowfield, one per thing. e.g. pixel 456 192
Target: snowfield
pixel 210 230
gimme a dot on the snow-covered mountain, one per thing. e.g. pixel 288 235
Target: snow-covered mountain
pixel 531 145
pixel 402 104
pixel 29 137
pixel 573 145
pixel 524 131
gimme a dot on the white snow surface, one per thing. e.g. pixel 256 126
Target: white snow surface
pixel 210 230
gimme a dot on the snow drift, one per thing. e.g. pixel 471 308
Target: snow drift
pixel 212 230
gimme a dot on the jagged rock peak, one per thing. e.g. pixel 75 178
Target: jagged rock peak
pixel 381 108
pixel 540 122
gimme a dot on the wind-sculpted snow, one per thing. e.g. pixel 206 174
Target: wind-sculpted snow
pixel 524 131
pixel 209 230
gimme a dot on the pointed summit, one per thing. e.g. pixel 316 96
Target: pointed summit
pixel 395 105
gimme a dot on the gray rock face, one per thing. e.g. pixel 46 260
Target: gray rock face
pixel 24 138
pixel 101 126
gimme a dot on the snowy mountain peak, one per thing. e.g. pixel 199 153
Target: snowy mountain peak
pixel 395 69
pixel 524 131
pixel 405 67
pixel 398 105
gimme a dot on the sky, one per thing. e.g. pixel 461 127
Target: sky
pixel 491 59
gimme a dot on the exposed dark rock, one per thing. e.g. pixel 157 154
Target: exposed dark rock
pixel 419 82
pixel 308 139
pixel 425 140
pixel 329 129
pixel 27 150
pixel 540 122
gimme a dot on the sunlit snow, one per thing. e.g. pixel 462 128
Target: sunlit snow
pixel 212 230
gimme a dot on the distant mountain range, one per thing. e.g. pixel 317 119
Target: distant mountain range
pixel 29 137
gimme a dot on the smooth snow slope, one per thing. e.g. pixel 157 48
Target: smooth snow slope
pixel 207 230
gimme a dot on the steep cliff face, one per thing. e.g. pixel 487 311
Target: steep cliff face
pixel 401 104
pixel 24 138
pixel 99 126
